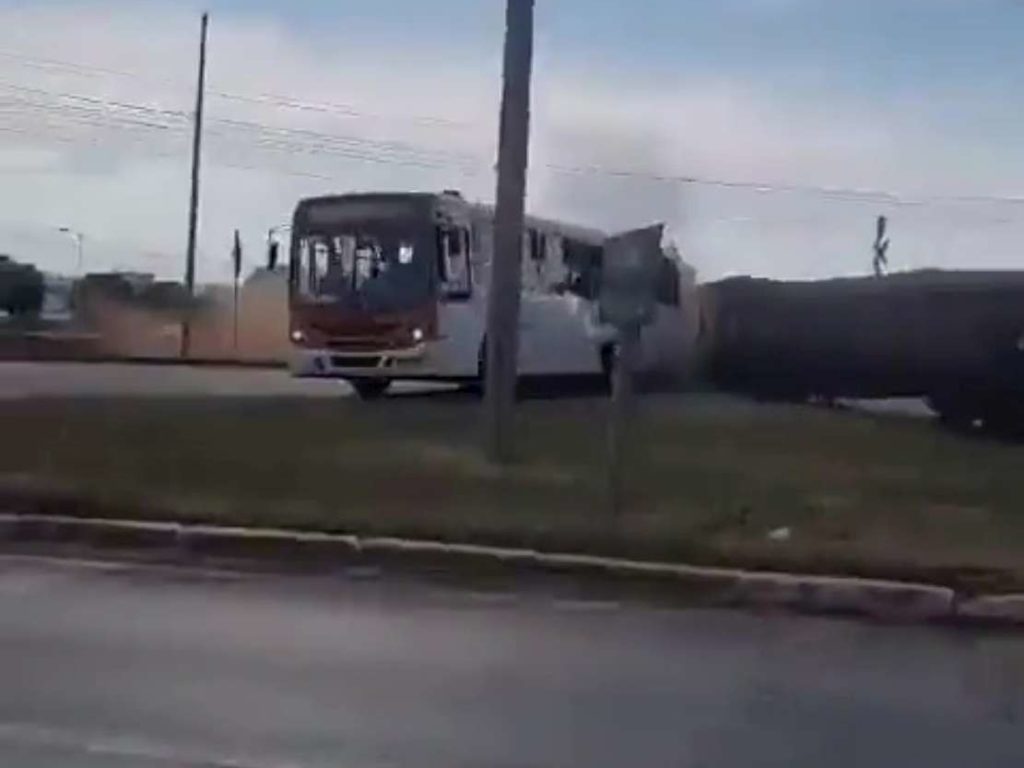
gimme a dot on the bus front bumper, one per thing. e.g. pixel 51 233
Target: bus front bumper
pixel 384 364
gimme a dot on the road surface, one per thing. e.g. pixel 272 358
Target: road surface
pixel 115 379
pixel 894 406
pixel 105 665
pixel 24 379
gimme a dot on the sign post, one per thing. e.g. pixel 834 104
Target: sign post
pixel 627 301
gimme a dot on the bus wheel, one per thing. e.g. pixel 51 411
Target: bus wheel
pixel 370 389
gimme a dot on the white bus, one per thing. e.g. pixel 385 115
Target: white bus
pixel 390 286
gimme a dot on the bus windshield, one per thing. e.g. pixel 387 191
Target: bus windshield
pixel 370 268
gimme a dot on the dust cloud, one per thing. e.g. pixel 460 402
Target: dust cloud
pixel 126 329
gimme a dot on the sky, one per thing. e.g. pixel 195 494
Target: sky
pixel 760 131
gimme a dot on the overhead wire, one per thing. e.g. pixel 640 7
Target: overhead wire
pixel 311 142
pixel 271 99
pixel 852 194
pixel 305 140
pixel 223 159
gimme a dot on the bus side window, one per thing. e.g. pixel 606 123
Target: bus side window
pixel 532 266
pixel 300 267
pixel 312 265
pixel 480 244
pixel 583 268
pixel 556 275
pixel 319 264
pixel 453 262
pixel 536 245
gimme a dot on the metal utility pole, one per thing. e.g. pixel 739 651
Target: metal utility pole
pixel 79 247
pixel 273 246
pixel 236 264
pixel 503 297
pixel 193 205
pixel 620 414
pixel 627 301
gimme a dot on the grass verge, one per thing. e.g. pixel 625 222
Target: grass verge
pixel 708 479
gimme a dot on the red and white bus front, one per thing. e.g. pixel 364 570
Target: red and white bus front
pixel 363 288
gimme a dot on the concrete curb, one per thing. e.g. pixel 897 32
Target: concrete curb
pixel 888 600
pixel 167 362
pixel 992 609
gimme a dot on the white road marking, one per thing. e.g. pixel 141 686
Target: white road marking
pixel 124 746
pixel 582 605
pixel 490 598
pixel 123 566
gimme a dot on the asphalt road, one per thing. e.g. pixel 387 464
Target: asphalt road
pixel 104 665
pixel 115 379
pixel 18 380
pixel 895 406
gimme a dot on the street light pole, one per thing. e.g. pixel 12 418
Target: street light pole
pixel 79 239
pixel 503 295
pixel 272 243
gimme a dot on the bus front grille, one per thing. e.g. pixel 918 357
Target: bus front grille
pixel 356 361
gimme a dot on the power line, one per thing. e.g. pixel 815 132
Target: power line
pixel 257 142
pixel 846 193
pixel 85 116
pixel 218 161
pixel 267 99
pixel 340 138
pixel 214 160
pixel 33 131
pixel 401 153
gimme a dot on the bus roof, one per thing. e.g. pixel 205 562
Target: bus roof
pixel 366 196
pixel 447 198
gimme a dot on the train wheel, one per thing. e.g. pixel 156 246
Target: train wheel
pixel 955 412
pixel 1004 417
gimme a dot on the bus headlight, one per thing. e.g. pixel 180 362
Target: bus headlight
pixel 298 336
pixel 417 335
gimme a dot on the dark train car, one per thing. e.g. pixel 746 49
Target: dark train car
pixel 956 338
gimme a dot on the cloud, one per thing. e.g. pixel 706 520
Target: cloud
pixel 371 113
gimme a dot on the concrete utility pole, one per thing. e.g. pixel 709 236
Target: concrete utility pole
pixel 193 205
pixel 503 297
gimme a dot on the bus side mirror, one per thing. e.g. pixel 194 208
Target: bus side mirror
pixel 272 254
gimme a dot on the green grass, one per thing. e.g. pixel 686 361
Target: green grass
pixel 708 478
